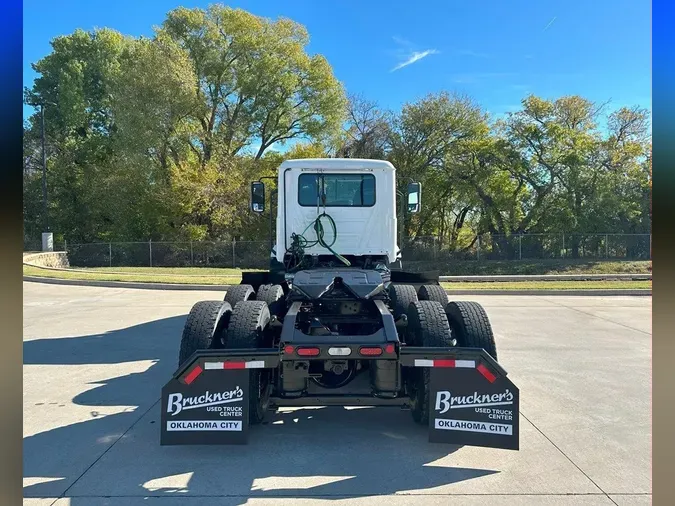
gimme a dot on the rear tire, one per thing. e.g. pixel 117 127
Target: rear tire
pixel 401 296
pixel 248 324
pixel 273 296
pixel 433 292
pixel 471 326
pixel 238 293
pixel 204 328
pixel 427 327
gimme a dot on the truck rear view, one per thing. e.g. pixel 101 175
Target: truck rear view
pixel 337 321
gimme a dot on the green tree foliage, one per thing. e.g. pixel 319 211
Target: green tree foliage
pixel 423 138
pixel 160 137
pixel 152 137
pixel 255 80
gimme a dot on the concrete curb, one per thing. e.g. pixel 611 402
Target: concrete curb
pixel 216 288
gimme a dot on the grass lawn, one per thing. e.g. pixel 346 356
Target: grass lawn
pixel 514 267
pixel 158 276
pixel 212 276
pixel 459 268
pixel 170 271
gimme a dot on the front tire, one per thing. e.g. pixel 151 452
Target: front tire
pixel 427 327
pixel 248 325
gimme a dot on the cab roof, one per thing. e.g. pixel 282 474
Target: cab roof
pixel 337 163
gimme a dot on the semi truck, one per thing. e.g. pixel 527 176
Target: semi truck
pixel 337 320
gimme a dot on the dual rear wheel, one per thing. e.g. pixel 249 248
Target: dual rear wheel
pixel 435 322
pixel 240 321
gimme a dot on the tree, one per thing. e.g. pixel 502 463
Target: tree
pixel 160 137
pixel 74 83
pixel 367 131
pixel 421 139
pixel 150 136
pixel 306 150
pixel 255 79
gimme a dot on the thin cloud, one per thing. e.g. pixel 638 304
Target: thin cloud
pixel 415 57
pixel 549 23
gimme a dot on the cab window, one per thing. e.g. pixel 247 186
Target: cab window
pixel 336 190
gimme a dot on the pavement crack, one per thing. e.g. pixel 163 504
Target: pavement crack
pixel 63 494
pixel 568 458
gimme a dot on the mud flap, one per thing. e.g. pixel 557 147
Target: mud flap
pixel 471 400
pixel 211 410
pixel 473 406
pixel 207 400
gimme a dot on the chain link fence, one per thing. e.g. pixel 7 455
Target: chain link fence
pixel 418 254
pixel 242 254
pixel 535 246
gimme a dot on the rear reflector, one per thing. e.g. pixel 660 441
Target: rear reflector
pixel 234 365
pixel 308 352
pixel 288 349
pixel 193 374
pixel 369 352
pixel 339 352
pixel 389 348
pixel 485 372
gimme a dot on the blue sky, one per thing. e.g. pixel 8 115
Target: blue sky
pixel 496 51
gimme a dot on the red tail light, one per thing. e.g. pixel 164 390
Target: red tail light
pixel 389 348
pixel 370 352
pixel 288 349
pixel 308 352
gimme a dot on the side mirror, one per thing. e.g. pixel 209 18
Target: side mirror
pixel 257 197
pixel 414 197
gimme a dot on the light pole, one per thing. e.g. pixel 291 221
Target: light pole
pixel 47 236
pixel 44 170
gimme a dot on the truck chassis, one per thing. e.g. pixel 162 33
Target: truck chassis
pixel 339 337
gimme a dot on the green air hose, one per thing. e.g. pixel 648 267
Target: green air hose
pixel 299 242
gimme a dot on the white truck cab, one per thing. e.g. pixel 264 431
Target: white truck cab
pixel 358 194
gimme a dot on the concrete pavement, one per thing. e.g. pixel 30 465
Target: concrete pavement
pixel 95 360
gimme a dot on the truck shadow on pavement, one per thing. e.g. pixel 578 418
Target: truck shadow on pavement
pixel 112 448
